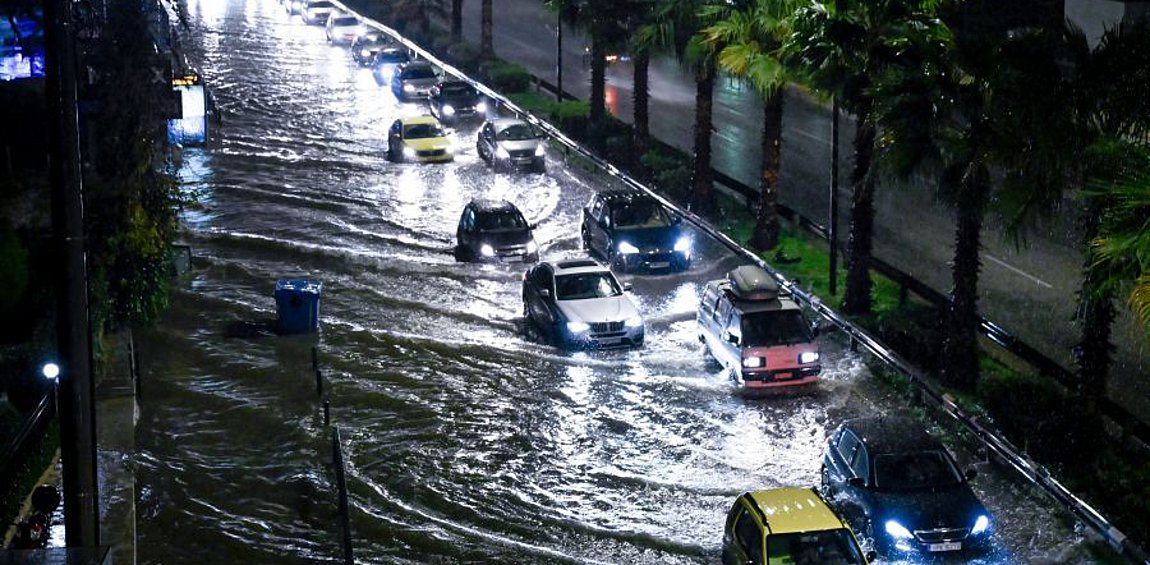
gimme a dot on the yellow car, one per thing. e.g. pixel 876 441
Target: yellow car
pixel 788 525
pixel 420 139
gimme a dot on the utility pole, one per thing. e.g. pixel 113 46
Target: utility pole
pixel 832 232
pixel 559 53
pixel 77 408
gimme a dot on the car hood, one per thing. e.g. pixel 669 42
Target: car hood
pixel 461 100
pixel 520 145
pixel 611 309
pixel 420 82
pixel 428 143
pixel 954 507
pixel 650 239
pixel 499 239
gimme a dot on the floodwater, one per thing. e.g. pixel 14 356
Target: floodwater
pixel 466 438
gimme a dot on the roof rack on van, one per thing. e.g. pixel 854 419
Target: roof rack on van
pixel 573 263
pixel 751 282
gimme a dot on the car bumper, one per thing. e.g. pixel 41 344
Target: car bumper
pixel 776 378
pixel 628 337
pixel 442 158
pixel 509 257
pixel 653 261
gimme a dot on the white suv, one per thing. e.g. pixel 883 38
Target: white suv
pixel 579 303
pixel 758 334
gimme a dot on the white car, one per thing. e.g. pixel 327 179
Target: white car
pixel 343 29
pixel 511 143
pixel 316 12
pixel 579 303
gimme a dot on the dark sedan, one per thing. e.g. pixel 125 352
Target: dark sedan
pixel 385 61
pixel 632 230
pixel 453 101
pixel 495 231
pixel 366 46
pixel 903 488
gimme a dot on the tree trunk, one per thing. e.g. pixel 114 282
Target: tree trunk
pixel 641 97
pixel 857 298
pixel 456 21
pixel 766 233
pixel 702 181
pixel 486 46
pixel 598 81
pixel 960 331
pixel 1092 355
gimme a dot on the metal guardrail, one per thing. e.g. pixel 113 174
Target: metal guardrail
pixel 990 439
pixel 15 453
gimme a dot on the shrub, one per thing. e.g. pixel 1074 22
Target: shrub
pixel 508 78
pixel 670 173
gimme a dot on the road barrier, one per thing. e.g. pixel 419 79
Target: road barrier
pixel 990 439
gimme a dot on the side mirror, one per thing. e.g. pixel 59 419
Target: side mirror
pixel 676 219
pixel 545 293
pixel 856 482
pixel 871 555
pixel 732 338
pixel 627 287
pixel 533 225
pixel 970 473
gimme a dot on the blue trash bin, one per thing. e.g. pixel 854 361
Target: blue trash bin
pixel 297 305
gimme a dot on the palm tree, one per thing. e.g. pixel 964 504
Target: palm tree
pixel 837 46
pixel 642 16
pixel 604 21
pixel 1121 250
pixel 456 21
pixel 749 40
pixel 674 28
pixel 486 43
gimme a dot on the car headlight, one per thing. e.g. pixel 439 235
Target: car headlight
pixel 481 107
pixel 626 248
pixel 980 525
pixel 897 531
pixel 448 110
pixel 808 357
pixel 634 322
pixel 540 150
pixel 683 245
pixel 408 152
pixel 502 153
pixel 364 53
pixel 753 362
pixel 532 247
pixel 578 327
pixel 409 87
pixel 486 250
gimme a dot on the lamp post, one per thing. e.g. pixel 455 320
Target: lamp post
pixel 833 223
pixel 559 53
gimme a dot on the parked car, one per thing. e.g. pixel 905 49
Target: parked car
pixel 496 231
pixel 903 488
pixel 453 101
pixel 788 525
pixel 632 230
pixel 367 45
pixel 510 143
pixel 419 138
pixel 757 333
pixel 316 12
pixel 413 79
pixel 343 29
pixel 579 303
pixel 386 60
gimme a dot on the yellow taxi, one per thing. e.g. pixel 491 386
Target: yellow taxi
pixel 420 138
pixel 788 525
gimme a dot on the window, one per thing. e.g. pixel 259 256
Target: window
pixel 780 327
pixel 749 537
pixel 915 470
pixel 861 463
pixel 848 444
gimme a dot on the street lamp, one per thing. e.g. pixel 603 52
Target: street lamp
pixel 50 371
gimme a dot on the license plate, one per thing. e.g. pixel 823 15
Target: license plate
pixel 610 340
pixel 513 259
pixel 659 264
pixel 945 546
pixel 783 376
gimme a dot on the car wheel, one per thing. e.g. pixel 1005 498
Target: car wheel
pixel 586 239
pixel 541 167
pixel 392 154
pixel 825 482
pixel 479 150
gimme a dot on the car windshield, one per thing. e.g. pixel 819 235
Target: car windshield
pixel 641 215
pixel 418 72
pixel 503 220
pixel 914 470
pixel 581 286
pixel 828 547
pixel 344 22
pixel 457 90
pixel 321 4
pixel 778 327
pixel 422 131
pixel 391 56
pixel 517 132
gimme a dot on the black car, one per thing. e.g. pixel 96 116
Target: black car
pixel 902 488
pixel 494 230
pixel 413 79
pixel 366 46
pixel 455 100
pixel 386 59
pixel 633 230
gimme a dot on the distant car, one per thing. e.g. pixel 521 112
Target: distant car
pixel 386 60
pixel 579 303
pixel 421 139
pixel 632 230
pixel 294 7
pixel 788 525
pixel 413 80
pixel 903 487
pixel 316 12
pixel 455 100
pixel 509 143
pixel 367 45
pixel 343 29
pixel 496 231
pixel 758 334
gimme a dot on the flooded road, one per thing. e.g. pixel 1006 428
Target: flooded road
pixel 467 440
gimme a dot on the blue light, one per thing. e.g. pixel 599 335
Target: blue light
pixel 897 531
pixel 980 525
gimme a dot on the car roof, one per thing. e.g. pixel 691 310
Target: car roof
pixel 345 17
pixel 503 123
pixel 413 120
pixel 574 266
pixel 492 205
pixel 793 509
pixel 410 64
pixel 782 302
pixel 453 82
pixel 320 4
pixel 627 196
pixel 892 434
